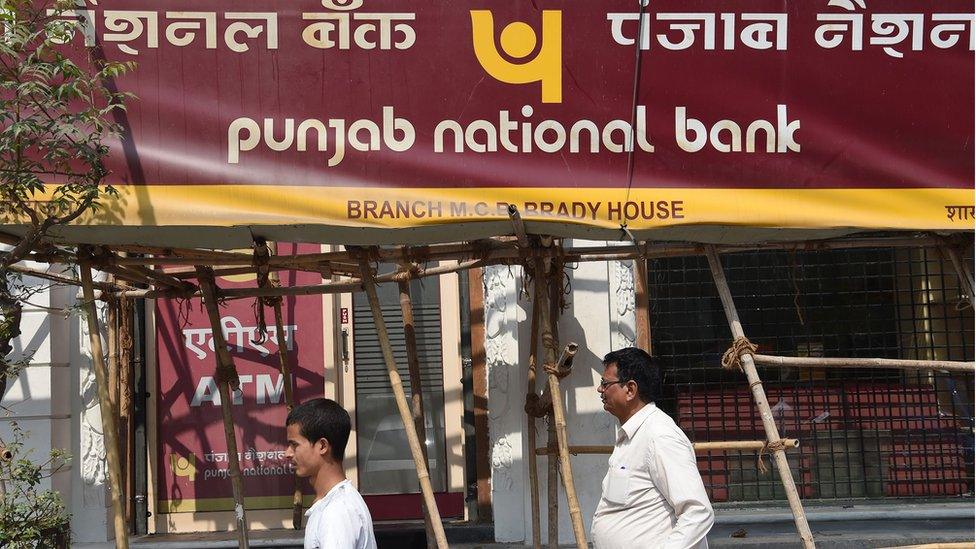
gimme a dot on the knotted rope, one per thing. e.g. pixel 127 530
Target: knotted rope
pixel 733 356
pixel 774 446
pixel 262 258
pixel 409 272
pixel 555 370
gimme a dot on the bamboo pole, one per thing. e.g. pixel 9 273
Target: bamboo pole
pixel 530 426
pixel 518 226
pixel 227 381
pixel 183 273
pixel 416 389
pixel 353 285
pixel 558 413
pixel 61 279
pixel 284 367
pixel 962 271
pixel 759 394
pixel 700 447
pixel 822 362
pixel 552 463
pixel 142 275
pixel 552 484
pixel 112 342
pixel 159 277
pixel 110 430
pixel 126 427
pixel 642 315
pixel 369 286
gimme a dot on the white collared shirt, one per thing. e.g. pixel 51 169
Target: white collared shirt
pixel 653 495
pixel 340 520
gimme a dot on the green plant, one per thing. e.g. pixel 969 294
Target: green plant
pixel 30 517
pixel 58 109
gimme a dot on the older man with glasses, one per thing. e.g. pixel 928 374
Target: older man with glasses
pixel 653 495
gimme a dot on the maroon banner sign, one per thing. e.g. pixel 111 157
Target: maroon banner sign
pixel 192 457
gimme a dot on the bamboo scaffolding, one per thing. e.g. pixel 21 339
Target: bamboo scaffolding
pixel 369 286
pixel 416 389
pixel 558 413
pixel 821 362
pixel 500 248
pixel 354 285
pixel 107 411
pixel 492 251
pixel 759 394
pixel 284 367
pixel 227 382
pixel 530 425
pixel 700 447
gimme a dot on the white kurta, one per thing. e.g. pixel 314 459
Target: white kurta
pixel 340 520
pixel 653 495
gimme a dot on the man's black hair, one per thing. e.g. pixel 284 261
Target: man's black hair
pixel 323 418
pixel 636 365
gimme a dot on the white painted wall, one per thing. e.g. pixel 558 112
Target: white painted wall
pixel 600 318
pixel 55 399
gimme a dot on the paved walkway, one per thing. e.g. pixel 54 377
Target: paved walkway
pixel 856 526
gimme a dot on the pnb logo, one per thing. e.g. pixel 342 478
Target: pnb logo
pixel 183 466
pixel 518 41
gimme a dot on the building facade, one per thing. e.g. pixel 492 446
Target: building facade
pixel 865 434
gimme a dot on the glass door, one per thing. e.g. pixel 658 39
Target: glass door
pixel 385 467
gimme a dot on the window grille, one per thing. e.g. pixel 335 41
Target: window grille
pixel 864 433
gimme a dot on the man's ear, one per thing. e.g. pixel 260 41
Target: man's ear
pixel 631 390
pixel 323 447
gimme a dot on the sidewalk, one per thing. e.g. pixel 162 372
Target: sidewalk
pixel 861 525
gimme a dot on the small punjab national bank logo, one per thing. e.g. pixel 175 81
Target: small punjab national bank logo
pixel 518 41
pixel 183 466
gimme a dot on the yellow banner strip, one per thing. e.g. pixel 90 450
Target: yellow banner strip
pixel 640 208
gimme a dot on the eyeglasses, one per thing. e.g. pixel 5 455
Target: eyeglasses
pixel 604 383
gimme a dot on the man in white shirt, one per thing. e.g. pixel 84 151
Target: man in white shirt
pixel 653 495
pixel 317 434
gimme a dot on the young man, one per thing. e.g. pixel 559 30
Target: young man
pixel 317 434
pixel 653 495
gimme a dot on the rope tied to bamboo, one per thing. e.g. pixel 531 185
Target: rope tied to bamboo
pixel 733 355
pixel 262 264
pixel 556 370
pixel 534 406
pixel 227 373
pixel 409 272
pixel 769 447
